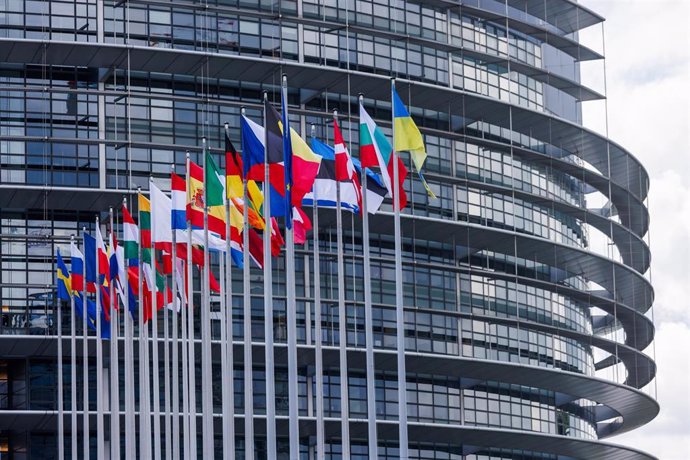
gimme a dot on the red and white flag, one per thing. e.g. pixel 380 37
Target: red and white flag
pixel 344 167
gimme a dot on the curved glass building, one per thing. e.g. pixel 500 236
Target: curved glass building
pixel 527 295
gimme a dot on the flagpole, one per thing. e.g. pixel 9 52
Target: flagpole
pixel 318 340
pixel 73 368
pixel 291 307
pixel 224 356
pixel 268 306
pixel 85 358
pixel 247 320
pixel 100 441
pixel 368 324
pixel 175 351
pixel 114 364
pixel 154 344
pixel 184 371
pixel 206 371
pixel 399 310
pixel 191 361
pixel 130 436
pixel 185 340
pixel 226 336
pixel 166 368
pixel 144 399
pixel 342 323
pixel 61 395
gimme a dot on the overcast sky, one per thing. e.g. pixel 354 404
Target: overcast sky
pixel 647 45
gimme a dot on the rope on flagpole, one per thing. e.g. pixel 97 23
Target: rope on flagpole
pixel 399 311
pixel 206 369
pixel 368 323
pixel 85 360
pixel 191 361
pixel 144 395
pixel 291 307
pixel 114 364
pixel 247 326
pixel 73 368
pixel 166 365
pixel 61 395
pixel 228 390
pixel 130 437
pixel 155 381
pixel 268 305
pixel 342 318
pixel 175 348
pixel 100 441
pixel 318 341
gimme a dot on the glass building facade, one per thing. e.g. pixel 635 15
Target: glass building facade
pixel 523 338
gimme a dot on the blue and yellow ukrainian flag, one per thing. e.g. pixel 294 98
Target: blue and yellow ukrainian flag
pixel 408 138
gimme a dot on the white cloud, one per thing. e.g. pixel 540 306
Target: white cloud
pixel 668 436
pixel 648 76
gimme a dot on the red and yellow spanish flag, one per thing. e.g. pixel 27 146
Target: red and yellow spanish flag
pixel 196 203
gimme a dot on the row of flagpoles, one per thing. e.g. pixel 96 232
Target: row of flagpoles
pixel 232 214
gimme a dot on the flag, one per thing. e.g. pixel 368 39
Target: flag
pixel 255 195
pixel 178 194
pixel 236 248
pixel 112 257
pixel 131 235
pixel 233 171
pixel 146 254
pixel 91 310
pixel 114 266
pixel 215 196
pixel 275 155
pixel 122 273
pixel 302 225
pixel 235 188
pixel 178 203
pixel 253 160
pixel 376 151
pixel 255 219
pixel 64 286
pixel 181 280
pixel 161 218
pixel 105 304
pixel 102 254
pixel 253 136
pixel 304 166
pixel 253 166
pixel 344 168
pixel 196 197
pixel 90 262
pixel 77 275
pixel 105 313
pixel 287 157
pixel 376 190
pixel 277 240
pixel 256 248
pixel 145 224
pixel 408 138
pixel 324 188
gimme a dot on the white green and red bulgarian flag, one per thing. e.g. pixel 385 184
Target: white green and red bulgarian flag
pixel 376 151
